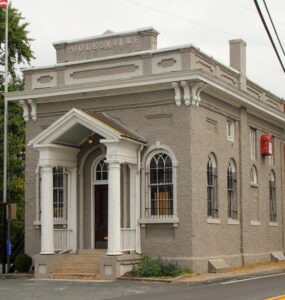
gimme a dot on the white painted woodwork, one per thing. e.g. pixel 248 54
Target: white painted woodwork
pixel 128 239
pixel 114 209
pixel 47 240
pixel 62 239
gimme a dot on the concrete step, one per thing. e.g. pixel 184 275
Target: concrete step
pixel 83 257
pixel 80 276
pixel 77 270
pixel 79 263
pixel 99 252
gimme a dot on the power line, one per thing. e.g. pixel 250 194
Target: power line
pixel 188 20
pixel 269 34
pixel 273 27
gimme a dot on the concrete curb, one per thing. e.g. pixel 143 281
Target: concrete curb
pixel 206 280
pixel 16 275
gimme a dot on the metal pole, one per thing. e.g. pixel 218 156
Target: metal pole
pixel 5 150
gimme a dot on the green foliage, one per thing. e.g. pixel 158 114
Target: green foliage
pixel 157 267
pixel 18 42
pixel 19 53
pixel 23 262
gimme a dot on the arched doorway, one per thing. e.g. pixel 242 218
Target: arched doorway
pixel 100 198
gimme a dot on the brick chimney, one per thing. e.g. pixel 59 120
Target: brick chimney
pixel 238 59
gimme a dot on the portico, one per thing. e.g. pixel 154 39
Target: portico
pixel 59 146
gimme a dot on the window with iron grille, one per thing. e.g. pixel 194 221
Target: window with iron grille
pixel 59 193
pixel 232 191
pixel 160 186
pixel 212 202
pixel 272 198
pixel 102 170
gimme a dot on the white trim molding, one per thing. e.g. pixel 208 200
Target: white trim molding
pixel 147 156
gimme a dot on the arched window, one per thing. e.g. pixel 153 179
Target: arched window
pixel 272 197
pixel 101 170
pixel 212 187
pixel 160 186
pixel 253 175
pixel 232 191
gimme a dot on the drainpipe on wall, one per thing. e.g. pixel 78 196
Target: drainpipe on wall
pixel 244 175
pixel 138 202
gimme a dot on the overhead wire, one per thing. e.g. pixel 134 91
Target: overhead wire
pixel 274 28
pixel 269 34
pixel 188 20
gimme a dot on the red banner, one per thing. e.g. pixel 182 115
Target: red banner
pixel 3 3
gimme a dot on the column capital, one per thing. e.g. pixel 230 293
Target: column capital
pixel 46 169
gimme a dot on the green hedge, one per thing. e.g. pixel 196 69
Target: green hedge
pixel 23 262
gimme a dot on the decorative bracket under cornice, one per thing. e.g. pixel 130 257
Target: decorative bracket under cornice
pixel 196 89
pixel 191 92
pixel 177 91
pixel 25 108
pixel 29 109
pixel 33 106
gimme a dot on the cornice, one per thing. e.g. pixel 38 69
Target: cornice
pixel 214 86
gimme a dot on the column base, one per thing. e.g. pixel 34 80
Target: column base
pixel 113 253
pixel 47 253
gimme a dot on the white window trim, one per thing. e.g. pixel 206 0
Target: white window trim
pixel 255 223
pixel 252 141
pixel 151 151
pixel 211 220
pixel 67 199
pixel 253 171
pixel 93 183
pixel 231 136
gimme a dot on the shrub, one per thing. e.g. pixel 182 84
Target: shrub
pixel 157 267
pixel 23 262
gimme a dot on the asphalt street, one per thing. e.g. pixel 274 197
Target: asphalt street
pixel 268 287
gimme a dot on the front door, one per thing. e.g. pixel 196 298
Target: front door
pixel 101 216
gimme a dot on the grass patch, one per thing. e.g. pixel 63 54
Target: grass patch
pixel 158 267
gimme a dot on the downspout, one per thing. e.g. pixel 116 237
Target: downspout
pixel 282 152
pixel 138 202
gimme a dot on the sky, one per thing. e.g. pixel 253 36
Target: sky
pixel 207 24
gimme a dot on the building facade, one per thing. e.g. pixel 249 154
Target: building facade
pixel 137 149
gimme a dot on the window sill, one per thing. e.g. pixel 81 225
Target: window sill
pixel 155 220
pixel 255 223
pixel 211 220
pixel 273 224
pixel 253 185
pixel 38 224
pixel 233 222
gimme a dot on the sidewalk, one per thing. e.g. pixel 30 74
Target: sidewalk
pixel 261 269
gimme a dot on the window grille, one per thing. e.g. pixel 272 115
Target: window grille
pixel 232 193
pixel 102 170
pixel 160 186
pixel 272 198
pixel 59 193
pixel 212 188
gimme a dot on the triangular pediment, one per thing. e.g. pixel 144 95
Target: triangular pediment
pixel 73 128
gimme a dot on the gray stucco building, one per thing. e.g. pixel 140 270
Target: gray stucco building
pixel 143 150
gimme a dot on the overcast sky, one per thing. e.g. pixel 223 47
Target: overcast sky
pixel 208 24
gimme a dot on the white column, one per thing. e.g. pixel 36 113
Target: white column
pixel 133 200
pixel 47 242
pixel 114 209
pixel 72 208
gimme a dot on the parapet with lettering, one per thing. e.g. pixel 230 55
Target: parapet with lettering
pixel 107 44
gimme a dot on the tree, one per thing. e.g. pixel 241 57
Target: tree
pixel 19 53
